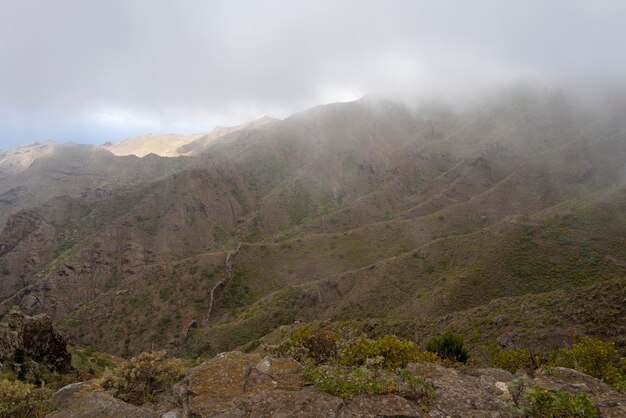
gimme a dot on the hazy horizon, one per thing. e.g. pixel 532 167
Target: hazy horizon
pixel 100 71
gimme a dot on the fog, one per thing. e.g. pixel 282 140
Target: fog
pixel 107 69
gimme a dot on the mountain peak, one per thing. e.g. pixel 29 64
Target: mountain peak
pixel 19 159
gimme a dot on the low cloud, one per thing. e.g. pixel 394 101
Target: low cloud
pixel 106 69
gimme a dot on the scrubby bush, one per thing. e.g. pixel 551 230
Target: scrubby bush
pixel 415 388
pixel 346 368
pixel 513 360
pixel 320 346
pixel 595 357
pixel 393 352
pixel 348 382
pixel 516 390
pixel 545 404
pixel 308 345
pixel 141 378
pixel 19 355
pixel 448 346
pixel 19 400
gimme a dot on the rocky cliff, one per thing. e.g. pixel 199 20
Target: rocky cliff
pixel 32 337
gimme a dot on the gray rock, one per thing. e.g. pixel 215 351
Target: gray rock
pixel 99 404
pixel 65 396
pixel 465 393
pixel 286 404
pixel 380 406
pixel 176 413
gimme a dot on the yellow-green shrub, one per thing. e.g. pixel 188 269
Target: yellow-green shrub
pixel 513 360
pixel 140 378
pixel 595 357
pixel 559 404
pixel 392 351
pixel 19 400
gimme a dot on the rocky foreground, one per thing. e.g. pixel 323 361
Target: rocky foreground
pixel 235 384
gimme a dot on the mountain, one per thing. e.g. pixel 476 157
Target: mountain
pixel 14 161
pixel 411 218
pixel 33 174
pixel 79 171
pixel 173 145
pixel 140 146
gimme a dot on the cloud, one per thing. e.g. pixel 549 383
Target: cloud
pixel 106 69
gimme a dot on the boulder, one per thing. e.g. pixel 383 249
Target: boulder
pixel 220 384
pixel 380 406
pixel 306 402
pixel 98 404
pixel 569 380
pixel 214 385
pixel 465 392
pixel 64 397
pixel 286 372
pixel 610 403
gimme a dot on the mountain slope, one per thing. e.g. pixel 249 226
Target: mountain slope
pixel 342 212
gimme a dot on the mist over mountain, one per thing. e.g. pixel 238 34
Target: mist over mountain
pixel 344 193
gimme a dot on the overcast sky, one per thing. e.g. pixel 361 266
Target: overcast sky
pixel 99 70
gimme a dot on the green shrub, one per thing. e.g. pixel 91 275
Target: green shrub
pixel 348 382
pixel 19 355
pixel 559 404
pixel 448 346
pixel 416 388
pixel 86 360
pixel 141 378
pixel 595 357
pixel 19 400
pixel 393 351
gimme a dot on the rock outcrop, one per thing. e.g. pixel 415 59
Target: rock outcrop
pixel 470 392
pixel 35 337
pixel 231 383
pixel 78 400
pixel 609 403
pixel 236 384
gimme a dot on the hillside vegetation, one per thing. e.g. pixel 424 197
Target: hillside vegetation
pixel 504 220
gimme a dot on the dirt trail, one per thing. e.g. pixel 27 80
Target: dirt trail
pixel 228 273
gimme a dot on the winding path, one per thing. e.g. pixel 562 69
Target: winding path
pixel 230 255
